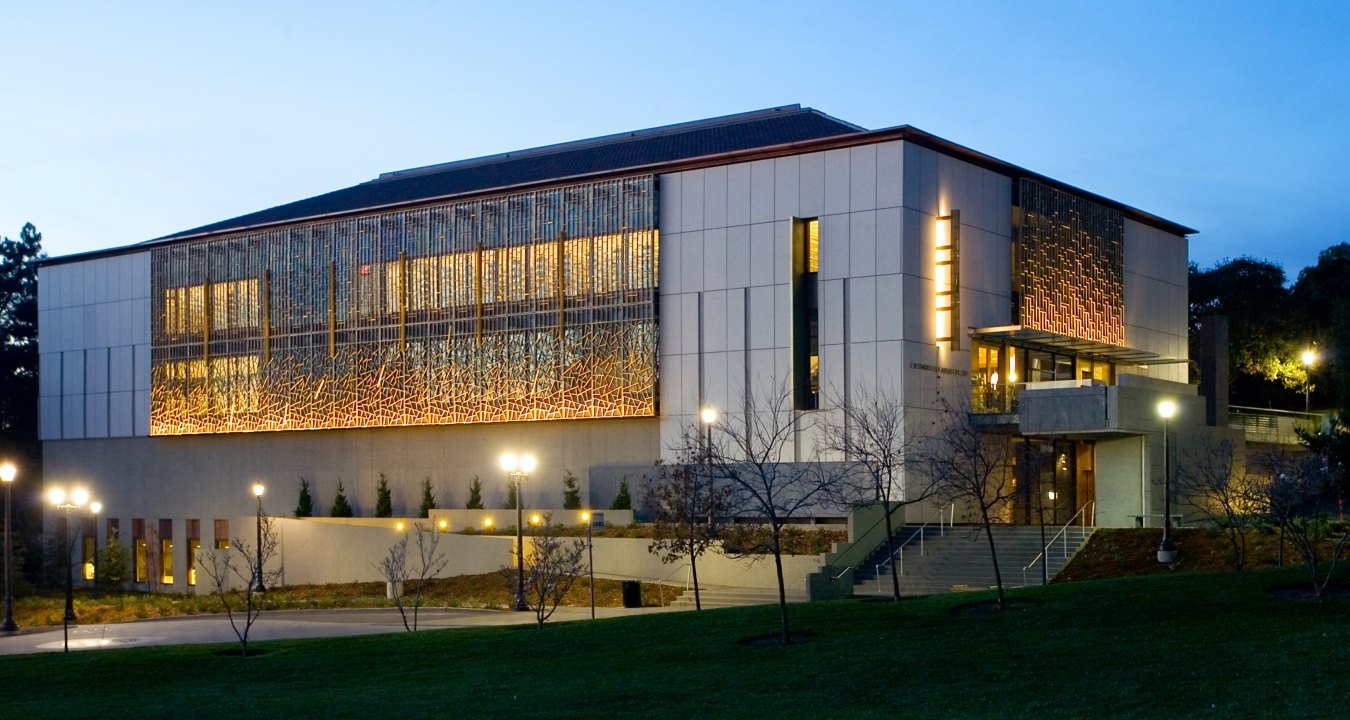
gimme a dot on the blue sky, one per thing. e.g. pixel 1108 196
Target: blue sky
pixel 123 122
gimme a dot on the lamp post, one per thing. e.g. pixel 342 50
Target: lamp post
pixel 76 499
pixel 1309 359
pixel 1166 552
pixel 95 508
pixel 258 576
pixel 590 558
pixel 517 467
pixel 7 473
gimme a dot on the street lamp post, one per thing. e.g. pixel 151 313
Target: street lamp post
pixel 7 473
pixel 95 508
pixel 1309 359
pixel 76 499
pixel 517 467
pixel 590 558
pixel 258 575
pixel 1167 553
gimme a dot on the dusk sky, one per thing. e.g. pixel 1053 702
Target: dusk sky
pixel 126 121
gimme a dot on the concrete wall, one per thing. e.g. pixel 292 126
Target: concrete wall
pixel 317 552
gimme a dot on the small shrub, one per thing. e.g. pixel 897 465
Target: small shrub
pixel 384 506
pixel 341 508
pixel 428 499
pixel 305 506
pixel 475 495
pixel 623 500
pixel 571 493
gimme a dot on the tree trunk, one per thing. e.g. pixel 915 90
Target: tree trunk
pixel 693 570
pixel 993 555
pixel 782 592
pixel 890 545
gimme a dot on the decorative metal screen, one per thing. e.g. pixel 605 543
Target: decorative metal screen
pixel 1072 265
pixel 533 306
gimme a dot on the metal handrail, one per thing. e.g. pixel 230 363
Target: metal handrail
pixel 900 550
pixel 1085 511
pixel 687 580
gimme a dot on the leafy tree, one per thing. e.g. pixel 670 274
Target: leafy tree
pixel 428 502
pixel 690 508
pixel 341 508
pixel 475 495
pixel 18 338
pixel 114 564
pixel 623 500
pixel 1323 294
pixel 304 507
pixel 1264 328
pixel 384 506
pixel 571 493
pixel 19 391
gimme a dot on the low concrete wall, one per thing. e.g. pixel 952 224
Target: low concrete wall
pixel 329 550
pixel 458 519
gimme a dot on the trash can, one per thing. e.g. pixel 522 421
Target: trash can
pixel 632 594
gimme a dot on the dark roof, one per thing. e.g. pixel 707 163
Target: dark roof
pixel 670 143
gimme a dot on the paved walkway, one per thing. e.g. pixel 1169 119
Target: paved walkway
pixel 278 625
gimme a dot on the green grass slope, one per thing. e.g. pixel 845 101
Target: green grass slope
pixel 1202 645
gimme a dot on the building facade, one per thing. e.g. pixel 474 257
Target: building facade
pixel 584 301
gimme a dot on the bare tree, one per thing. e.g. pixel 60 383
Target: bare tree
pixel 393 567
pixel 973 466
pixel 1212 479
pixel 754 457
pixel 396 570
pixel 689 506
pixel 430 563
pixel 242 564
pixel 550 569
pixel 1298 491
pixel 871 432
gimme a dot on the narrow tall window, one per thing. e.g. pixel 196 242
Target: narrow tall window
pixel 139 559
pixel 166 551
pixel 222 535
pixel 193 531
pixel 805 313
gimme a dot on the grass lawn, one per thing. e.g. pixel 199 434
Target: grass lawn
pixel 1179 645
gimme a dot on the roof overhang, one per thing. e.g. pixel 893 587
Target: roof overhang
pixel 1055 342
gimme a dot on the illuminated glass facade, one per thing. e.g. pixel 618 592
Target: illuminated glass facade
pixel 1070 265
pixel 538 305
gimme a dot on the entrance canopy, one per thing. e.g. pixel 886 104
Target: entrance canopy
pixel 1054 342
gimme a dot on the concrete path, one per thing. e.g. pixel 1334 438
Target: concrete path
pixel 278 625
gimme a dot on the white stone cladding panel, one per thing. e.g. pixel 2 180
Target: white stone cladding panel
pixel 862 178
pixel 862 243
pixel 812 188
pixel 691 201
pixel 715 259
pixel 93 316
pixel 786 178
pixel 715 197
pixel 837 181
pixel 669 210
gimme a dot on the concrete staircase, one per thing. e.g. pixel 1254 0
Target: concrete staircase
pixel 959 560
pixel 734 597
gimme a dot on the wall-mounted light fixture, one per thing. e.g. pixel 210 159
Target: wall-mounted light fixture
pixel 947 281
